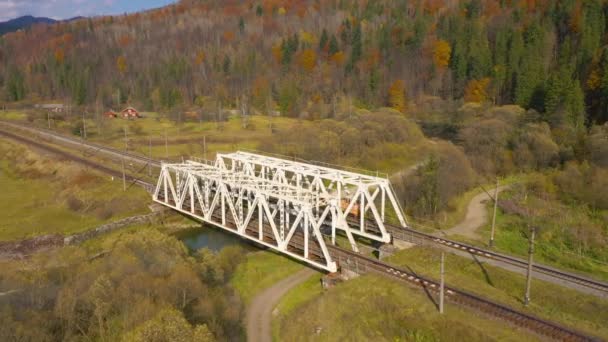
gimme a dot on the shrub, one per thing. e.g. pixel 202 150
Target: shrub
pixel 74 203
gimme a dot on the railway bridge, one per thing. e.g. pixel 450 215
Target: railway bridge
pixel 286 205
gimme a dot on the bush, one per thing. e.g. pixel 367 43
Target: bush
pixel 485 141
pixel 584 184
pixel 441 178
pixel 598 145
pixel 74 203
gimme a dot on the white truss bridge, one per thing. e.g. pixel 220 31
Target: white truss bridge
pixel 285 205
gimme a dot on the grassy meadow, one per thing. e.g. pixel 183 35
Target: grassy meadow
pixel 43 195
pixel 261 270
pixel 379 309
pixel 585 312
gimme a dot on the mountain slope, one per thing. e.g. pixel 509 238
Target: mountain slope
pixel 22 23
pixel 303 56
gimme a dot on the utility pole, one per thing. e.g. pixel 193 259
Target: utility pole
pixel 530 264
pixel 205 147
pixel 84 127
pixel 126 141
pixel 166 146
pixel 124 177
pixel 48 118
pixel 149 156
pixel 442 283
pixel 494 215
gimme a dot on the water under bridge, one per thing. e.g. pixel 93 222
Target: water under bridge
pixel 290 206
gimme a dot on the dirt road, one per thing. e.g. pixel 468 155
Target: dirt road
pixel 476 216
pixel 259 313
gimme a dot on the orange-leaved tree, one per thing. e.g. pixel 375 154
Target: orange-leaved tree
pixel 121 64
pixel 396 95
pixel 59 55
pixel 308 59
pixel 477 90
pixel 441 54
pixel 200 57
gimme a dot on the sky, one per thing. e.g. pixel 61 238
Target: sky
pixel 65 9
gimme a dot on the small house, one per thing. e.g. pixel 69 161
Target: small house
pixel 130 113
pixel 110 114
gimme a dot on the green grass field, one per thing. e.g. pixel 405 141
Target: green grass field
pixel 41 195
pixel 553 246
pixel 379 309
pixel 260 271
pixel 585 312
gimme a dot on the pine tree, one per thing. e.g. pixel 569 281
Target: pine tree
pixel 242 25
pixel 575 100
pixel 356 49
pixel 15 85
pixel 333 46
pixel 323 41
pixel 514 56
pixel 226 65
pixel 479 55
pixel 594 26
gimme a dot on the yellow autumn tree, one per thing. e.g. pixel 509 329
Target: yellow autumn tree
pixel 595 79
pixel 396 95
pixel 121 64
pixel 59 56
pixel 338 58
pixel 477 90
pixel 441 54
pixel 307 37
pixel 277 53
pixel 308 59
pixel 200 57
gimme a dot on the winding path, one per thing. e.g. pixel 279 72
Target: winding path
pixel 476 216
pixel 259 313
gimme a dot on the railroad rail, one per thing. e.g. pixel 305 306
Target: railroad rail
pixel 397 232
pixel 83 143
pixel 418 237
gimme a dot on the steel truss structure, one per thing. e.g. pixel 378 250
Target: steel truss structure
pixel 285 205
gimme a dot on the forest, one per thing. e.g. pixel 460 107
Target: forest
pixel 145 287
pixel 298 56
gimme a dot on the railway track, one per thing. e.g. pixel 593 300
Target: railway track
pixel 88 146
pixel 131 179
pixel 359 263
pixel 418 237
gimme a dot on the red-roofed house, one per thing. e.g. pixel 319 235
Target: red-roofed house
pixel 130 113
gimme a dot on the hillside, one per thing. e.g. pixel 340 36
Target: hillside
pixel 23 23
pixel 297 56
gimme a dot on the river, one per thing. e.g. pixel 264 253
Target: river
pixel 211 237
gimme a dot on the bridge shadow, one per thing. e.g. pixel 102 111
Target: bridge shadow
pixel 486 275
pixel 425 288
